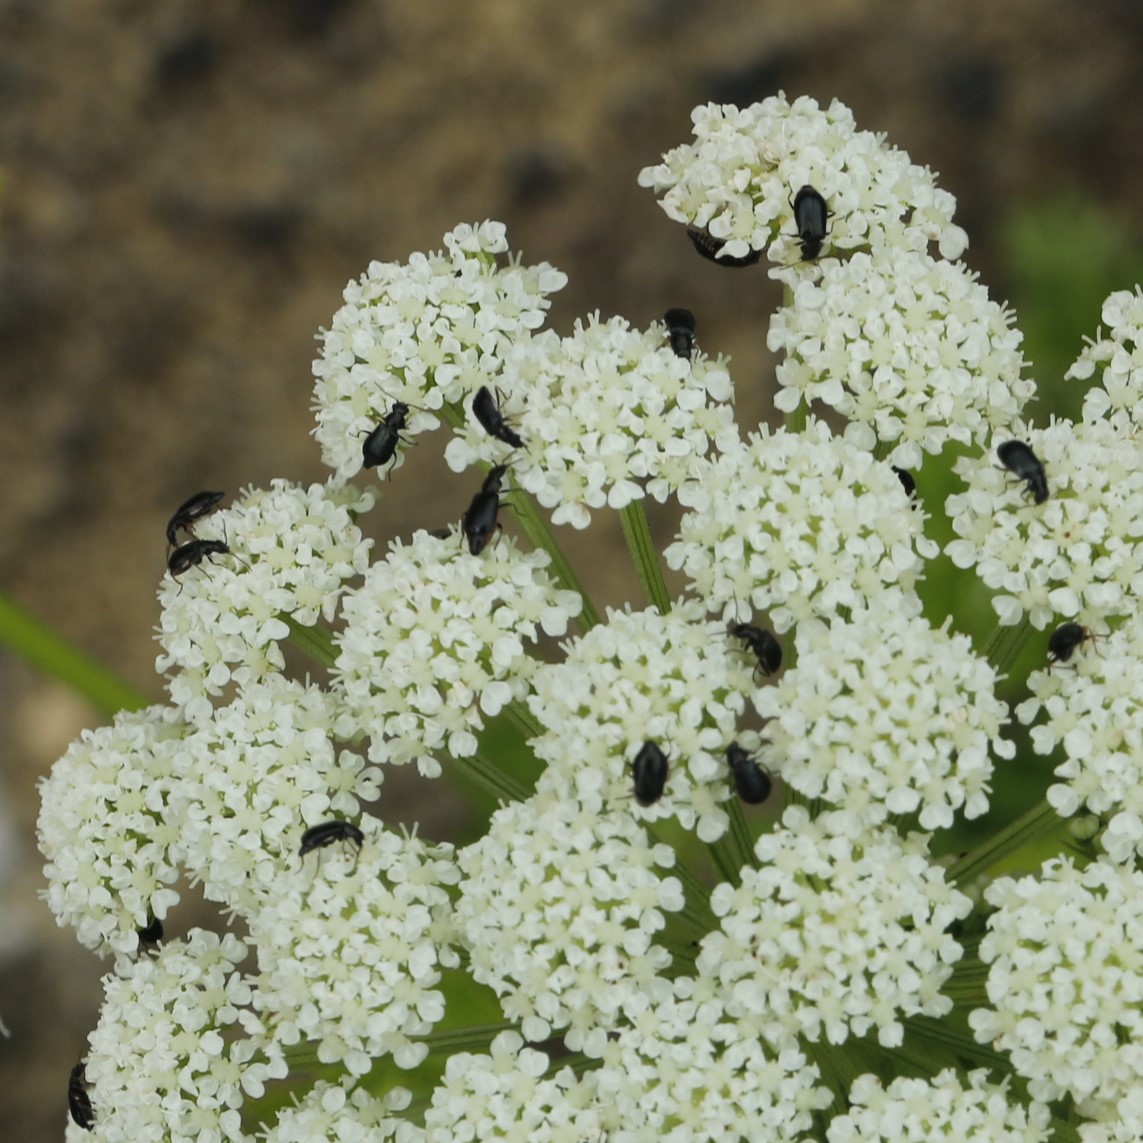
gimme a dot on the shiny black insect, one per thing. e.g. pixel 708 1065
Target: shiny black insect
pixel 151 935
pixel 189 513
pixel 1062 643
pixel 380 445
pixel 78 1102
pixel 907 481
pixel 810 217
pixel 479 520
pixel 761 644
pixel 1021 461
pixel 681 331
pixel 319 836
pixel 750 780
pixel 488 414
pixel 709 246
pixel 192 553
pixel 649 769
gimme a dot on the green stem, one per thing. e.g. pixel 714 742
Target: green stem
pixel 941 1035
pixel 740 833
pixel 535 528
pixel 1039 820
pixel 521 716
pixel 316 642
pixel 46 651
pixel 646 557
pixel 491 778
pixel 1005 644
pixel 476 1039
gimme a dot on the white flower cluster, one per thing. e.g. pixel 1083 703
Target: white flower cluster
pixel 885 714
pixel 684 1070
pixel 559 907
pixel 108 832
pixel 737 179
pixel 350 951
pixel 908 348
pixel 1080 552
pixel 332 1113
pixel 1094 712
pixel 583 906
pixel 250 781
pixel 1065 980
pixel 1115 360
pixel 834 934
pixel 607 415
pixel 434 642
pixel 292 549
pixel 512 1095
pixel 798 525
pixel 164 1064
pixel 423 333
pixel 675 680
pixel 945 1107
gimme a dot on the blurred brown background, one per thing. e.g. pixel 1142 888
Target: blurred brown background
pixel 188 187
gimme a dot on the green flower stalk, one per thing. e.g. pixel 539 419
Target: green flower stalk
pixel 724 894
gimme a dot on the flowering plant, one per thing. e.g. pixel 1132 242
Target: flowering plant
pixel 724 893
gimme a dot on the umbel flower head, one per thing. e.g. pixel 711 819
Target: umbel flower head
pixel 736 879
pixel 1094 713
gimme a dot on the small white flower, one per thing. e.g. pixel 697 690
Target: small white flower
pixel 252 779
pixel 1065 982
pixel 434 641
pixel 904 346
pixel 739 176
pixel 946 1107
pixel 885 715
pixel 1081 550
pixel 559 908
pixel 506 1095
pixel 798 525
pixel 165 1065
pixel 424 334
pixel 338 1113
pixel 1094 712
pixel 292 549
pixel 351 950
pixel 834 934
pixel 682 1070
pixel 1115 360
pixel 607 415
pixel 677 681
pixel 108 831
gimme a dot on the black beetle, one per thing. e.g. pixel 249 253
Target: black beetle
pixel 680 331
pixel 1019 459
pixel 380 445
pixel 150 935
pixel 1062 643
pixel 479 520
pixel 709 246
pixel 319 836
pixel 188 513
pixel 192 553
pixel 907 481
pixel 649 769
pixel 78 1101
pixel 761 644
pixel 488 414
pixel 750 780
pixel 810 217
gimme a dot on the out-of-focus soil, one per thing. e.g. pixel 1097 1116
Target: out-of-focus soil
pixel 188 187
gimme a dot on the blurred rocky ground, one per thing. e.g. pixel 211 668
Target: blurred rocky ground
pixel 187 188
